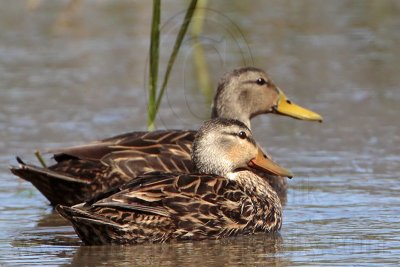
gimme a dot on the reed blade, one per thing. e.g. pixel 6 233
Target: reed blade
pixel 154 62
pixel 177 45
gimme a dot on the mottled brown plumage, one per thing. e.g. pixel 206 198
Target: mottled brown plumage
pixel 159 207
pixel 83 171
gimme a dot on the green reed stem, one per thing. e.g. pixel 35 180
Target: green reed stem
pixel 153 65
pixel 40 158
pixel 177 45
pixel 154 99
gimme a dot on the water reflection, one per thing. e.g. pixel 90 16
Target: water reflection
pixel 53 235
pixel 260 249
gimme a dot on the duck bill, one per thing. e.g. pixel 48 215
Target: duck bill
pixel 265 164
pixel 288 108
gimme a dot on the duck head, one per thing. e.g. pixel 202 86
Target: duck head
pixel 247 92
pixel 225 146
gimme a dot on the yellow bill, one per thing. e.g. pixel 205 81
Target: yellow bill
pixel 262 162
pixel 288 108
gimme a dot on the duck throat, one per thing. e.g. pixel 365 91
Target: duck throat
pixel 265 201
pixel 256 186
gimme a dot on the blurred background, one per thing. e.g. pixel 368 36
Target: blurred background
pixel 76 71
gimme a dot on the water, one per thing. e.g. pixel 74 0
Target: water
pixel 74 73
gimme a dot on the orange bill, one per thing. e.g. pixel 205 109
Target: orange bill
pixel 263 163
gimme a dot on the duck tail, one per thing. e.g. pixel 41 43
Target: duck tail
pixel 55 186
pixel 92 229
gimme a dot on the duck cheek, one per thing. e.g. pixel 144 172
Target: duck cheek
pixel 235 154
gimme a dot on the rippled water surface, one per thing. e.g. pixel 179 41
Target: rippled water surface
pixel 74 71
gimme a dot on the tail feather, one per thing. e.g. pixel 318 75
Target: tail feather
pixel 91 228
pixel 71 213
pixel 51 183
pixel 31 169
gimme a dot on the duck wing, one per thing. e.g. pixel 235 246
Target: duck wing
pixel 84 171
pixel 178 206
pixel 146 142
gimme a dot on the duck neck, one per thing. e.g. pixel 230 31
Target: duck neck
pixel 228 112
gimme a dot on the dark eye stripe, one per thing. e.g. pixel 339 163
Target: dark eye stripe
pixel 251 140
pixel 259 81
pixel 248 138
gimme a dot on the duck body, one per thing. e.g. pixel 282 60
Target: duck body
pixel 223 197
pixel 158 208
pixel 83 171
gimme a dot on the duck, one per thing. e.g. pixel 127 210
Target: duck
pixel 223 197
pixel 83 171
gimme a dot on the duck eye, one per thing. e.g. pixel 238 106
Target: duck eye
pixel 260 81
pixel 242 135
pixel 288 101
